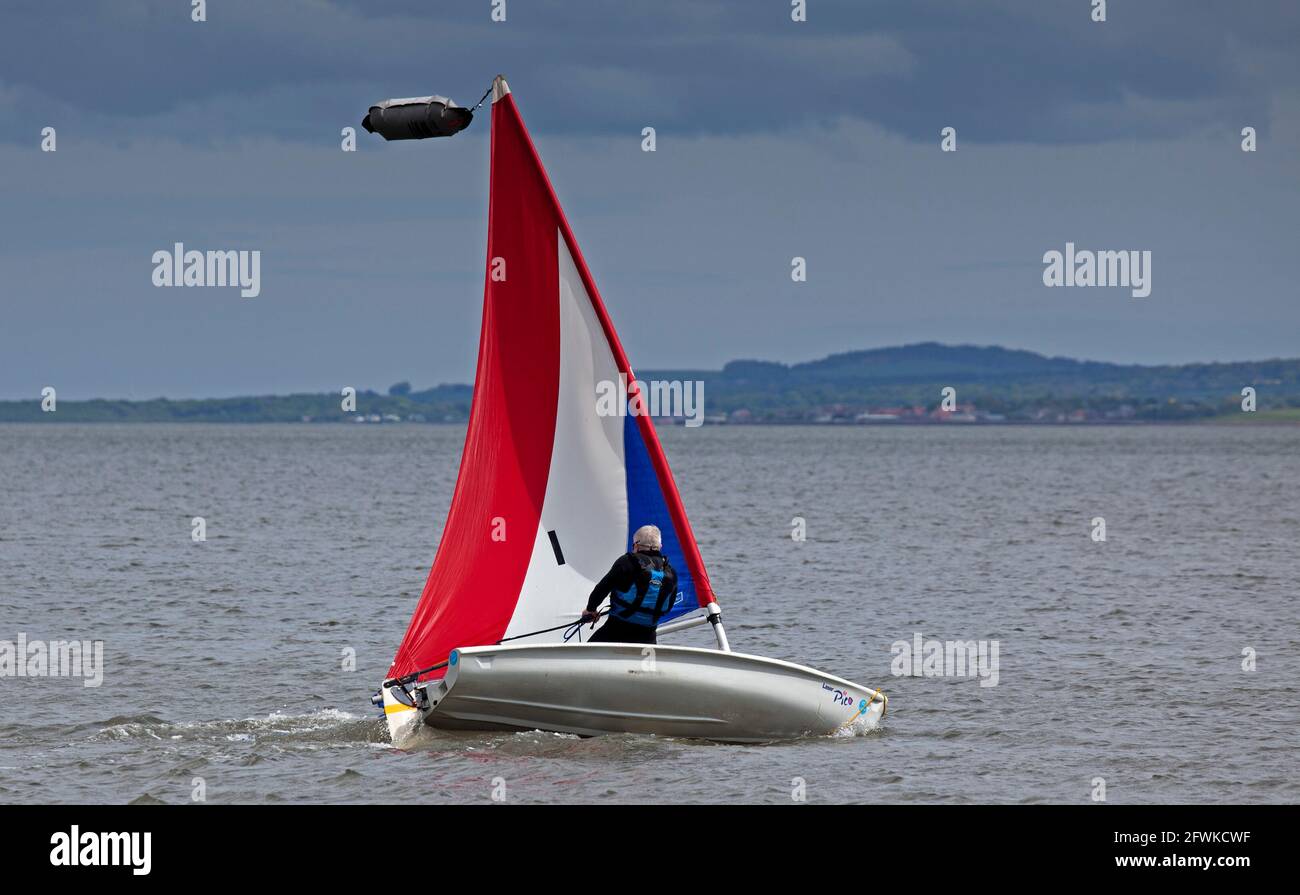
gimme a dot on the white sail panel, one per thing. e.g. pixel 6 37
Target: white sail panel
pixel 586 492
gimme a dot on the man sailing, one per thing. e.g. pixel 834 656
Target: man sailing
pixel 641 587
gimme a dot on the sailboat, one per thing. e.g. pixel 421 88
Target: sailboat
pixel 548 495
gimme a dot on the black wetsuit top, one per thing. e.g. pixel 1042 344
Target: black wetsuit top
pixel 627 571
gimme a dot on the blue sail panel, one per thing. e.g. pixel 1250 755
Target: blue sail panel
pixel 646 506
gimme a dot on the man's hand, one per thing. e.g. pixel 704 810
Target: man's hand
pixel 589 616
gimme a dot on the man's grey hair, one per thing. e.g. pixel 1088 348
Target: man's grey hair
pixel 648 536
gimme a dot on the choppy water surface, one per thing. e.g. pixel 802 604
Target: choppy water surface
pixel 224 660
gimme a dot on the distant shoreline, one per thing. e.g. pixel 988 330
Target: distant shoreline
pixel 1259 418
pixel 912 385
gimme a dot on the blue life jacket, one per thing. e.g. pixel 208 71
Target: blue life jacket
pixel 643 607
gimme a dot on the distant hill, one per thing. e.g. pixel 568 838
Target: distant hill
pixel 1003 381
pixel 883 384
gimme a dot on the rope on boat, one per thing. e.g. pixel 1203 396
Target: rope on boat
pixel 863 709
pixel 570 629
pixel 414 675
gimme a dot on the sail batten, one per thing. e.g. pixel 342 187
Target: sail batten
pixel 549 491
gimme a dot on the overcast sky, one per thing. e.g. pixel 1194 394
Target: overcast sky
pixel 776 139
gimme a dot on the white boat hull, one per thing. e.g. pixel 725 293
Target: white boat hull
pixel 600 688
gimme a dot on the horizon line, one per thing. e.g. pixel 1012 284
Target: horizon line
pixel 718 370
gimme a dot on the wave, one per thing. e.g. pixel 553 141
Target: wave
pixel 323 726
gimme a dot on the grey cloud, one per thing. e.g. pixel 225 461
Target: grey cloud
pixel 294 68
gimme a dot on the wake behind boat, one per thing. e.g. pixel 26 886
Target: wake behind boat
pixel 550 489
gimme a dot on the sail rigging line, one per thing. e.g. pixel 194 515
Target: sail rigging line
pixel 485 95
pixel 578 624
pixel 415 675
pixel 575 630
pixel 570 629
